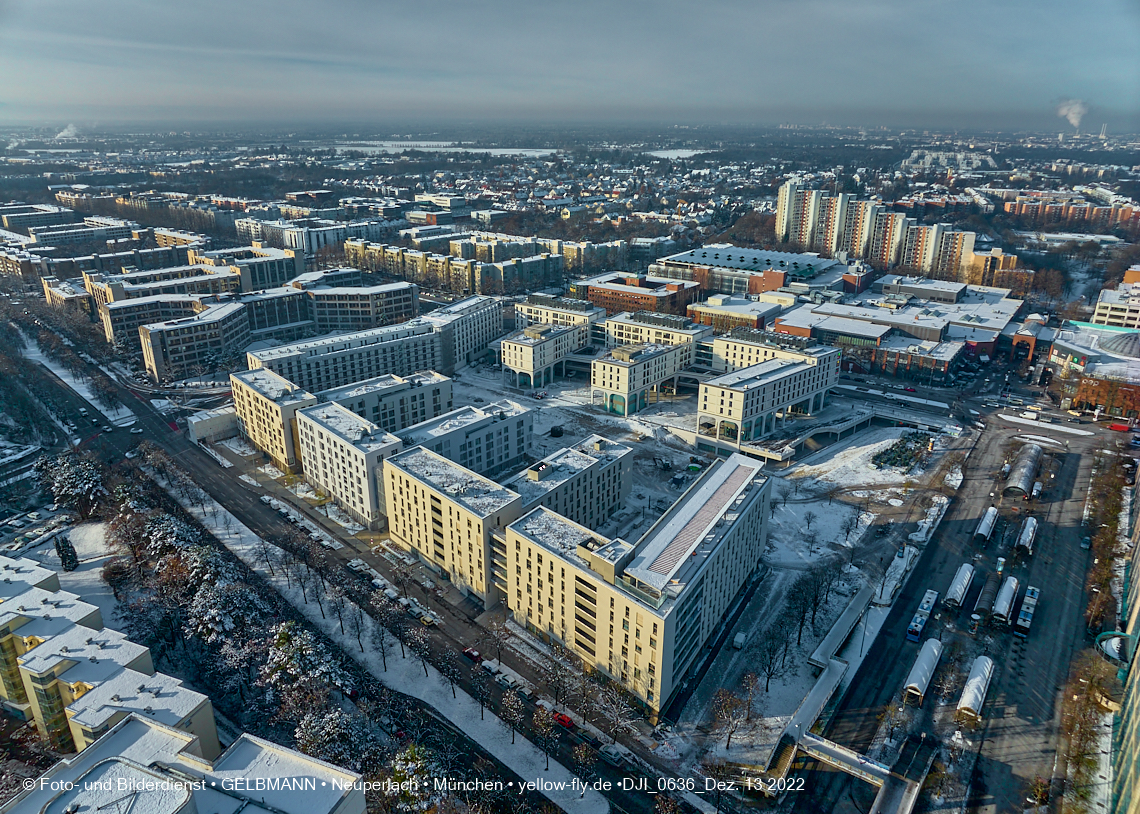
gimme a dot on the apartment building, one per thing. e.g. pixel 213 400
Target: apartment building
pixel 618 292
pixel 18 216
pixel 171 771
pixel 395 402
pixel 561 311
pixel 340 454
pixel 75 679
pixel 445 514
pixel 491 439
pixel 191 346
pixel 1119 307
pixel 359 308
pixel 724 312
pixel 466 329
pixel 336 361
pixel 92 230
pixel 745 347
pixel 182 280
pixel 66 295
pixel 258 266
pixel 639 613
pixel 622 380
pixel 123 318
pixel 727 269
pixel 532 354
pixel 585 483
pixel 648 328
pixel 266 406
pixel 736 408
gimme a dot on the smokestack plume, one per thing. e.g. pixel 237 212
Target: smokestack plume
pixel 71 131
pixel 1074 110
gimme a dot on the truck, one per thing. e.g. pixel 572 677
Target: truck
pixel 738 641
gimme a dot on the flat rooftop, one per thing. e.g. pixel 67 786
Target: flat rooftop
pixel 479 495
pixel 152 299
pixel 211 314
pixel 346 341
pixel 634 354
pixel 759 374
pixel 457 419
pixel 49 613
pixel 735 257
pixel 98 654
pixel 740 306
pixel 543 477
pixel 681 541
pixel 529 336
pixel 555 533
pixel 19 574
pixel 269 385
pixel 159 697
pixel 349 427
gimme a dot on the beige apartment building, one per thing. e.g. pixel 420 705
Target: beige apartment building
pixel 75 679
pixel 749 404
pixel 622 380
pixel 267 406
pixel 563 311
pixel 490 439
pixel 649 328
pixel 532 355
pixel 395 402
pixel 585 483
pixel 340 455
pixel 640 613
pixel 445 514
pixel 1119 307
pixel 745 347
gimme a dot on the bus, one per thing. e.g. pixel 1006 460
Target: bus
pixel 921 616
pixel 1025 615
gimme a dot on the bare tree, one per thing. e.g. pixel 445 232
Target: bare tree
pixel 730 713
pixel 748 684
pixel 420 645
pixel 719 772
pixel 543 724
pixel 769 656
pixel 449 669
pixel 511 712
pixel 583 758
pixel 615 709
pixel 356 623
pixel 811 538
pixel 849 524
pixel 481 689
pixel 809 518
pixel 785 491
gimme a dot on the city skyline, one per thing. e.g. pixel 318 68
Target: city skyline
pixel 880 63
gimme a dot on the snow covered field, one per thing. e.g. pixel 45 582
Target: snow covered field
pixel 91 548
pixel 848 463
pixel 238 446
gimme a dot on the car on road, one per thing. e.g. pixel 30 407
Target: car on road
pixel 477 400
pixel 472 654
pixel 107 428
pixel 562 719
pixel 136 430
pixel 910 390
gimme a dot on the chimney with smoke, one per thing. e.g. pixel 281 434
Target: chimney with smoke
pixel 1074 110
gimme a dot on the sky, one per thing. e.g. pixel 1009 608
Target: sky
pixel 898 63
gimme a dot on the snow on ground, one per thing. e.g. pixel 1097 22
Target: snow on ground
pixel 271 471
pixel 304 491
pixel 407 675
pixel 896 574
pixel 848 463
pixel 787 530
pixel 252 481
pixel 931 519
pixel 86 581
pixel 340 517
pixel 954 478
pixel 119 416
pixel 238 446
pixel 164 406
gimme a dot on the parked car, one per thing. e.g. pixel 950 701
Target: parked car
pixel 266 499
pixel 107 428
pixel 136 430
pixel 562 719
pixel 473 654
pixel 910 390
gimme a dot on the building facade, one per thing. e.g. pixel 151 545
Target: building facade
pixel 267 406
pixel 623 380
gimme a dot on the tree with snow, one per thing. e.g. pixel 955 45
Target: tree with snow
pixel 339 737
pixel 481 690
pixel 420 645
pixel 543 724
pixel 730 712
pixel 511 712
pixel 68 559
pixel 76 481
pixel 412 771
pixel 613 705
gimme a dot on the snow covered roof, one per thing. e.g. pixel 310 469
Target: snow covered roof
pixel 344 341
pixel 381 383
pixel 268 384
pixel 161 760
pixel 977 685
pixel 478 494
pixel 158 697
pixel 44 613
pixel 543 477
pixel 17 575
pixel 349 427
pixel 924 666
pixel 684 538
pixel 758 375
pixel 97 654
pixel 459 419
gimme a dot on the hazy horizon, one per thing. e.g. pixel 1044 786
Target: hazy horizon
pixel 971 64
